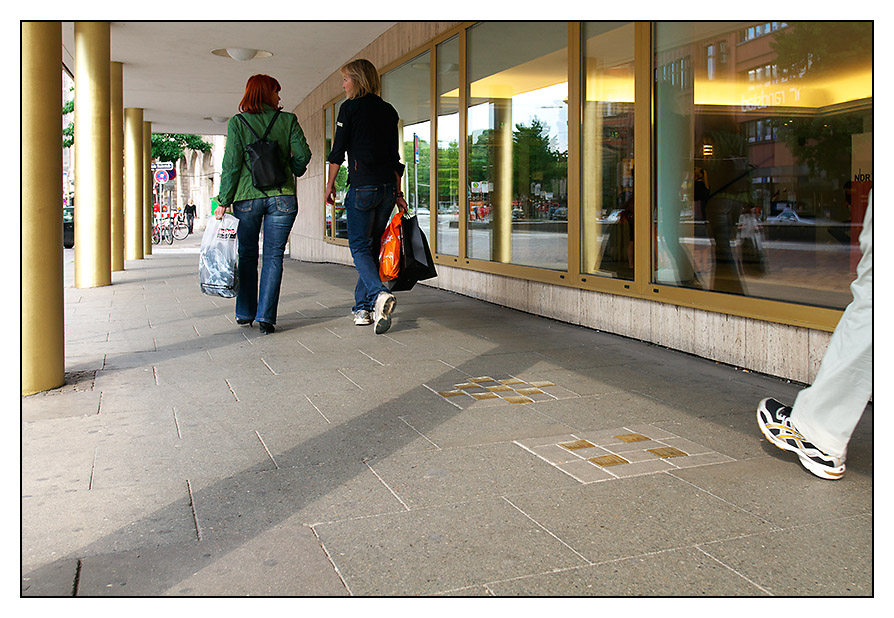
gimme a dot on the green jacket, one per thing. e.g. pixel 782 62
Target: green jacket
pixel 235 177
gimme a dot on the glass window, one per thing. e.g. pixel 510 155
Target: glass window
pixel 448 147
pixel 607 143
pixel 761 183
pixel 407 89
pixel 336 216
pixel 518 143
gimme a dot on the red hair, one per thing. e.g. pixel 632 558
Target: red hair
pixel 259 90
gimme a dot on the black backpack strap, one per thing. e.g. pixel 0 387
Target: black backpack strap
pixel 270 126
pixel 245 122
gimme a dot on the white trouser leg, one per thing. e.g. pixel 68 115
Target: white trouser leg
pixel 827 412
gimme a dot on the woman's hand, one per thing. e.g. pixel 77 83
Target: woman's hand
pixel 330 194
pixel 401 203
pixel 220 212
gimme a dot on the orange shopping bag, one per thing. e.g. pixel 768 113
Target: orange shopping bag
pixel 389 254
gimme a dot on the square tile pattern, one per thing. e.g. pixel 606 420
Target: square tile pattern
pixel 590 456
pixel 500 391
pixel 596 456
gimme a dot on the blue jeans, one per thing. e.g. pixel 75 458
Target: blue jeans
pixel 369 210
pixel 258 301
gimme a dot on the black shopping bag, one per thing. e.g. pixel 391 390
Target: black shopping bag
pixel 416 263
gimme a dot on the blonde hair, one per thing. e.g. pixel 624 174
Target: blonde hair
pixel 365 77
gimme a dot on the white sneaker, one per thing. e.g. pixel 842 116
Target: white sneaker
pixel 776 424
pixel 362 317
pixel 385 303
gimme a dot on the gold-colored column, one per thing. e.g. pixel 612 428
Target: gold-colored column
pixel 116 168
pixel 642 144
pixel 147 188
pixel 42 302
pixel 592 185
pixel 133 183
pixel 91 154
pixel 501 198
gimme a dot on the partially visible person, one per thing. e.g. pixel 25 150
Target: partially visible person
pixel 818 427
pixel 190 211
pixel 366 130
pixel 274 209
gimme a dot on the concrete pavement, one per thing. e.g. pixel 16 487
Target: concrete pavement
pixel 471 450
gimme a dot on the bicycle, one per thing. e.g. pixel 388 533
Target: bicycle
pixel 180 228
pixel 162 232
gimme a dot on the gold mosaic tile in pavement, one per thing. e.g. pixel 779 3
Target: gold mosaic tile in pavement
pixel 518 399
pixel 508 390
pixel 577 444
pixel 632 437
pixel 608 460
pixel 668 451
pixel 450 393
pixel 620 460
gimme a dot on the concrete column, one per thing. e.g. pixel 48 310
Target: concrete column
pixel 92 153
pixel 133 183
pixel 116 169
pixel 42 302
pixel 147 188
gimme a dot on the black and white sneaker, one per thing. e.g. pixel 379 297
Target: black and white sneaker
pixel 775 422
pixel 362 317
pixel 385 303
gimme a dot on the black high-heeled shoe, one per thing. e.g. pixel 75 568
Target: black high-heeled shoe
pixel 243 321
pixel 266 328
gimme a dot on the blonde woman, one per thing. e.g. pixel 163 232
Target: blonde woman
pixel 366 131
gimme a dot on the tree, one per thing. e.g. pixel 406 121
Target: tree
pixel 171 146
pixel 165 146
pixel 68 131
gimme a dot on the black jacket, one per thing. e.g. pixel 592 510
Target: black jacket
pixel 366 129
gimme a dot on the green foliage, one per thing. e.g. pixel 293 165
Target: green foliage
pixel 171 146
pixel 68 131
pixel 165 146
pixel 341 179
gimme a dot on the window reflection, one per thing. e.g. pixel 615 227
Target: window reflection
pixel 448 147
pixel 407 89
pixel 518 144
pixel 336 216
pixel 763 157
pixel 607 144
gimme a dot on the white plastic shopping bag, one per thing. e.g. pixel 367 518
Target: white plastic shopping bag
pixel 218 258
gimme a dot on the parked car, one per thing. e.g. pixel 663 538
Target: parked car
pixel 68 227
pixel 789 216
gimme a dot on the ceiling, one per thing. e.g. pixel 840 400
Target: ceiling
pixel 170 72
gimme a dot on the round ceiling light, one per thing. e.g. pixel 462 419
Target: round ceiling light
pixel 242 54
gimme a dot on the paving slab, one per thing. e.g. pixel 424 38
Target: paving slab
pixel 253 566
pixel 432 551
pixel 687 572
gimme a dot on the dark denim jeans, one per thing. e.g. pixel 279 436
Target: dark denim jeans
pixel 369 210
pixel 258 301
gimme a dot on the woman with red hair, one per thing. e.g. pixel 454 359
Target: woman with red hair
pixel 273 208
